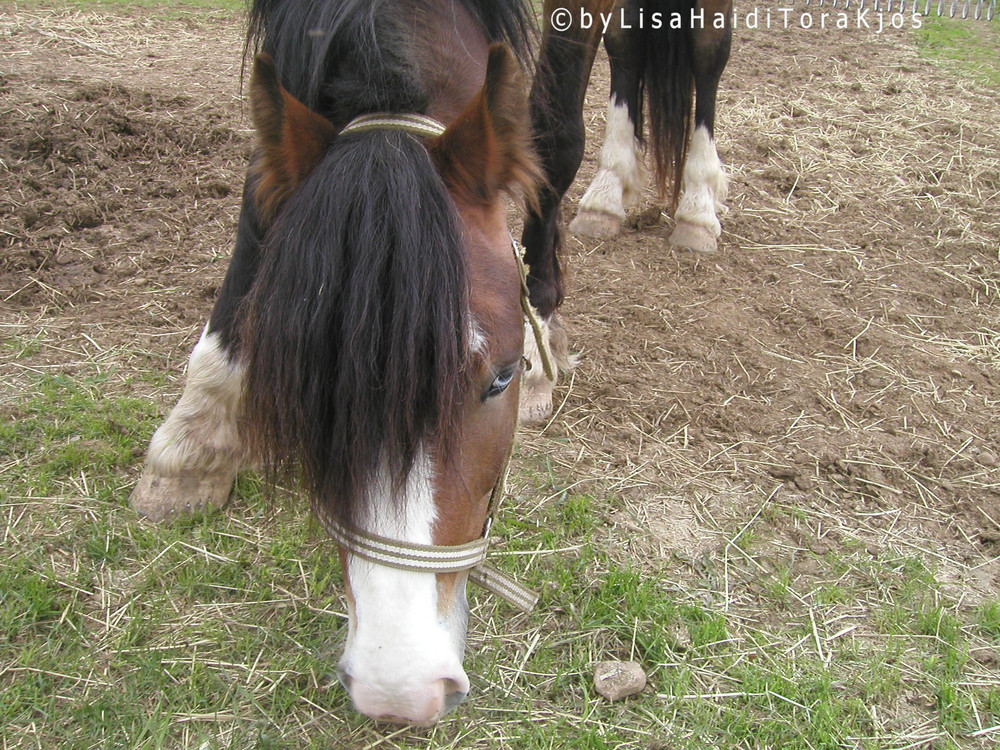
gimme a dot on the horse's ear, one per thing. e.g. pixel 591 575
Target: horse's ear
pixel 291 138
pixel 488 147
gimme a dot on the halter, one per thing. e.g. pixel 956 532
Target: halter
pixel 422 125
pixel 435 558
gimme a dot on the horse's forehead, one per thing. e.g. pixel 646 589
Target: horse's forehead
pixel 451 59
pixel 495 286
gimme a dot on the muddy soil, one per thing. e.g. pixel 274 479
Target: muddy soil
pixel 840 353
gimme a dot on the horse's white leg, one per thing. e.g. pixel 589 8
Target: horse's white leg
pixel 536 387
pixel 620 178
pixel 194 456
pixel 703 196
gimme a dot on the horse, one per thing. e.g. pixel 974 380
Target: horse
pixel 664 54
pixel 368 336
pixel 373 331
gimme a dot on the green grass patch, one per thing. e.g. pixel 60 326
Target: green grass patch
pixel 966 46
pixel 64 427
pixel 112 630
pixel 223 631
pixel 988 620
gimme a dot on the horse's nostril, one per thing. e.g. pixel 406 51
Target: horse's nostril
pixel 453 695
pixel 345 679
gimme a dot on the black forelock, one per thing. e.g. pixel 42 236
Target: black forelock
pixel 355 330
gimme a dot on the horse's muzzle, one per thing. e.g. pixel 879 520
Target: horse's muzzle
pixel 421 705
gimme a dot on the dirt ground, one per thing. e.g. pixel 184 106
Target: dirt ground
pixel 840 354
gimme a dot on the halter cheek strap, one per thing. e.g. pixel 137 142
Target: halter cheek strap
pixel 433 558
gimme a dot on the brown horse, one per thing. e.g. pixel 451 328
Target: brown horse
pixel 369 335
pixel 369 332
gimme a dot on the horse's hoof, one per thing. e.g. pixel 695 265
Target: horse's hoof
pixel 694 237
pixel 595 224
pixel 160 498
pixel 536 401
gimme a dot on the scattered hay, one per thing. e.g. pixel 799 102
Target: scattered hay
pixel 808 409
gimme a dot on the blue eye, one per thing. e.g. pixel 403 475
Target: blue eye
pixel 503 379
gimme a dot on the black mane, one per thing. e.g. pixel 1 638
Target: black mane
pixel 355 330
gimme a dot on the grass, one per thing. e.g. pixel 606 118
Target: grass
pixel 966 45
pixel 222 631
pixel 84 434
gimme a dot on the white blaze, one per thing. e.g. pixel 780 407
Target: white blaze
pixel 401 642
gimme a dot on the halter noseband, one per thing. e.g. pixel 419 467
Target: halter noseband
pixel 434 558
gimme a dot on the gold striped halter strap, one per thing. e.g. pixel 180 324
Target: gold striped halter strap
pixel 422 125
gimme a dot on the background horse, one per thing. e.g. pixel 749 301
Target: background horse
pixel 369 333
pixel 662 53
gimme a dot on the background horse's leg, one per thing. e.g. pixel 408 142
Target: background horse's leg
pixel 621 173
pixel 564 65
pixel 703 183
pixel 195 454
